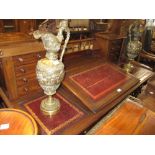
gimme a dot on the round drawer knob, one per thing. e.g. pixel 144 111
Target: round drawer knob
pixel 22 70
pixel 113 48
pixel 38 56
pixel 20 59
pixel 25 80
pixel 26 89
pixel 1 53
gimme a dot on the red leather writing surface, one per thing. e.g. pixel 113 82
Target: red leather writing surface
pixel 99 81
pixel 67 114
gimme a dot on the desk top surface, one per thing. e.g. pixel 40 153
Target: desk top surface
pixel 74 64
pixel 140 72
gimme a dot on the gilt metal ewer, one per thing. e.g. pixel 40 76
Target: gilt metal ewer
pixel 134 46
pixel 50 70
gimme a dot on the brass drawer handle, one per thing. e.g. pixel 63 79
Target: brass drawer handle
pixel 25 80
pixel 22 70
pixel 20 59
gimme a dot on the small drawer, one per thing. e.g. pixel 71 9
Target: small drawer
pixel 25 69
pixel 24 59
pixel 116 52
pixel 30 78
pixel 116 42
pixel 115 48
pixel 28 89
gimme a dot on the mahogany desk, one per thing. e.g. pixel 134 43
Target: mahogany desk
pixel 148 95
pixel 128 118
pixel 87 61
pixel 139 72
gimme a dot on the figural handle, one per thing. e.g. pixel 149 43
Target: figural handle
pixel 65 44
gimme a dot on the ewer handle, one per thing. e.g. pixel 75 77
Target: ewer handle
pixel 65 44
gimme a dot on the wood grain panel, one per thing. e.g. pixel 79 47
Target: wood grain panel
pixel 9 74
pixel 25 69
pixel 29 88
pixel 16 122
pixel 128 118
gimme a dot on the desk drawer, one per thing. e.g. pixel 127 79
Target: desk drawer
pixel 25 70
pixel 116 42
pixel 115 48
pixel 26 79
pixel 28 58
pixel 28 89
pixel 24 59
pixel 115 45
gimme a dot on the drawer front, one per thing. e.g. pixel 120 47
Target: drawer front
pixel 115 48
pixel 114 52
pixel 24 59
pixel 28 89
pixel 24 80
pixel 115 45
pixel 116 42
pixel 28 58
pixel 25 70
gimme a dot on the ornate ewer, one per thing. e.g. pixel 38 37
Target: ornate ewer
pixel 50 70
pixel 134 46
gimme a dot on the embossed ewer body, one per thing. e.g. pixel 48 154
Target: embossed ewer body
pixel 134 46
pixel 50 70
pixel 133 49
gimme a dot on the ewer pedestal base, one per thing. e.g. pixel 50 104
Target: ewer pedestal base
pixel 128 67
pixel 50 106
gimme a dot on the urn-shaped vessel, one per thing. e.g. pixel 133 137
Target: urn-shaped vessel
pixel 50 70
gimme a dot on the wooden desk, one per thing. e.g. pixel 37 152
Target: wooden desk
pixel 98 85
pixel 127 118
pixel 148 95
pixel 111 45
pixel 141 73
pixel 89 60
pixel 14 38
pixel 19 59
